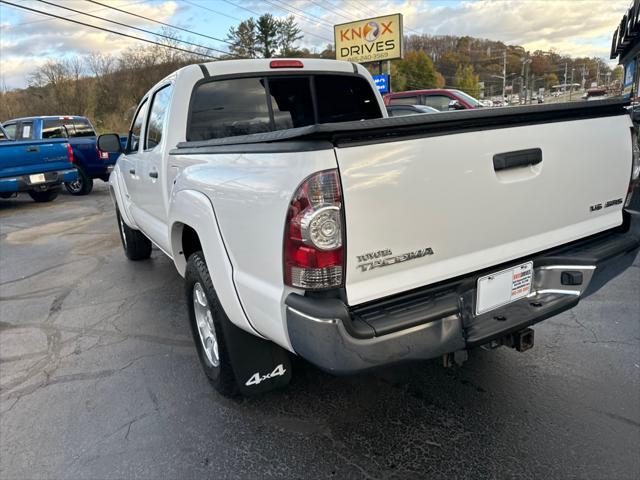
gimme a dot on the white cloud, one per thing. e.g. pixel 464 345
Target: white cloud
pixel 574 27
pixel 35 39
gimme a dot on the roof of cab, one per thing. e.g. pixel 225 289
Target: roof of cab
pixel 46 117
pixel 234 67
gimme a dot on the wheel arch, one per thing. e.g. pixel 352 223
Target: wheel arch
pixel 117 190
pixel 193 224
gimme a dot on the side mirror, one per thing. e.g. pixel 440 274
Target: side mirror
pixel 635 115
pixel 109 142
pixel 455 105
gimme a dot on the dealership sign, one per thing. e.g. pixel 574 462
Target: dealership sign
pixel 370 40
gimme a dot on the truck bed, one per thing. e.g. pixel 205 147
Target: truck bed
pixel 442 195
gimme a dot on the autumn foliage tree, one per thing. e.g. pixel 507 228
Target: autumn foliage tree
pixel 415 71
pixel 467 81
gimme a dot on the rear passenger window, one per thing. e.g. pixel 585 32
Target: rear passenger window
pixel 53 128
pixel 228 108
pixel 404 101
pixel 82 128
pixel 345 99
pixel 157 116
pixel 26 131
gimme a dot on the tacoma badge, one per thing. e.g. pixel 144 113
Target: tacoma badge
pixel 382 258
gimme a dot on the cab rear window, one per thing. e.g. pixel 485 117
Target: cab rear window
pixel 242 106
pixel 66 128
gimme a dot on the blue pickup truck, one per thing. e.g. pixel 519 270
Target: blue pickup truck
pixel 80 134
pixel 36 167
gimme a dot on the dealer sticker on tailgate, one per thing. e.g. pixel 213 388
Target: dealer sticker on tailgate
pixel 503 287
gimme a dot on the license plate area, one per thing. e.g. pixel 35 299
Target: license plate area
pixel 37 178
pixel 503 287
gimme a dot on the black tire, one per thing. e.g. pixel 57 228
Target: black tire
pixel 136 246
pixel 82 186
pixel 44 196
pixel 221 375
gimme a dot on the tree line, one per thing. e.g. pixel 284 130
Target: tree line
pixel 106 88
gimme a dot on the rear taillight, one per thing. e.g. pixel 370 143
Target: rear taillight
pixel 70 153
pixel 102 155
pixel 313 246
pixel 634 181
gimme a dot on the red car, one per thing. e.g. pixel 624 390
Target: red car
pixel 438 98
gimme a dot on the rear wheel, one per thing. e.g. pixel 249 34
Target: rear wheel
pixel 235 361
pixel 44 196
pixel 136 246
pixel 206 317
pixel 82 185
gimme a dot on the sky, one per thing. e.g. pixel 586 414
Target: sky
pixel 28 39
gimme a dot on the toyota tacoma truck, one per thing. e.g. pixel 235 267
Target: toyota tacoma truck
pixel 306 222
pixel 78 132
pixel 35 167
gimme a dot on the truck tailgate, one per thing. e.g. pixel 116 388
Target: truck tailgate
pixel 432 207
pixel 16 154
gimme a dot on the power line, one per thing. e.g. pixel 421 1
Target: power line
pixel 212 10
pixel 336 11
pixel 108 30
pixel 13 25
pixel 302 13
pixel 308 18
pixel 160 23
pixel 259 14
pixel 134 28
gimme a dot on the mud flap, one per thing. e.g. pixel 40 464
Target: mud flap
pixel 258 365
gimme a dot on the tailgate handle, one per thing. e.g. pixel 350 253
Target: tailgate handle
pixel 153 174
pixel 32 149
pixel 518 158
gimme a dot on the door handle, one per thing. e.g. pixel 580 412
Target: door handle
pixel 32 149
pixel 132 171
pixel 153 174
pixel 518 158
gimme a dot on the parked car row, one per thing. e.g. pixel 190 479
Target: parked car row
pixel 40 154
pixel 35 167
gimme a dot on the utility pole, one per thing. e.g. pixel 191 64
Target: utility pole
pixel 571 86
pixel 565 78
pixel 532 88
pixel 504 75
pixel 597 72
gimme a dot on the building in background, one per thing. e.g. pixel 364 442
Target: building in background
pixel 625 46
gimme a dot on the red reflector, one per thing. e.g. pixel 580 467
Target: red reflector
pixel 286 64
pixel 70 153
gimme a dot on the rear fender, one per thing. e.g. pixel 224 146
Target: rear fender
pixel 194 209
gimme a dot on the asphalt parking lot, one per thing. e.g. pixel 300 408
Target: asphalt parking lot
pixel 99 379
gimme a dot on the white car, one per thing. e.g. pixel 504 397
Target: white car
pixel 306 222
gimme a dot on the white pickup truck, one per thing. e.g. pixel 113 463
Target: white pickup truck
pixel 304 221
